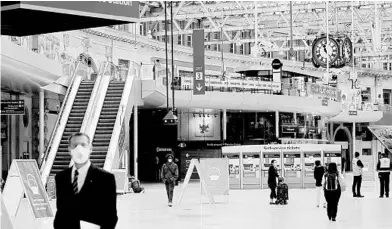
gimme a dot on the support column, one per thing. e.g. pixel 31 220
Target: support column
pixel 354 138
pixel 224 124
pixel 256 25
pixel 295 118
pixel 41 124
pixel 277 124
pixel 135 141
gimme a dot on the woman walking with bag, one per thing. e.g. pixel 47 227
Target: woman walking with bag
pixel 334 185
pixel 169 176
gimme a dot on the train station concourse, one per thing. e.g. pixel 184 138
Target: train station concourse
pixel 272 114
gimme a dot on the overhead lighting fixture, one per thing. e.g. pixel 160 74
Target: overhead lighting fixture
pixel 170 119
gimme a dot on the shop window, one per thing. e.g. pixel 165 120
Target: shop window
pixel 387 96
pixel 189 41
pixel 366 95
pixel 366 152
pixel 179 40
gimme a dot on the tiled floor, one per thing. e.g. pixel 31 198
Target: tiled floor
pixel 249 209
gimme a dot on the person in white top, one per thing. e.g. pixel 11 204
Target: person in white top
pixel 384 171
pixel 357 173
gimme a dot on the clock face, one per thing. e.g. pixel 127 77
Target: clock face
pixel 323 53
pixel 347 51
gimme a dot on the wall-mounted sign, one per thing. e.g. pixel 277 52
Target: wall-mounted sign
pixel 289 129
pixel 318 90
pixel 324 102
pixel 158 149
pixel 12 107
pixel 353 113
pixel 276 64
pixel 116 10
pixel 199 85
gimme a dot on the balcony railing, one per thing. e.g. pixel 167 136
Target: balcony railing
pixel 246 85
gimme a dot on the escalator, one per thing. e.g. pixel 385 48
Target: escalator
pixel 74 123
pixel 106 122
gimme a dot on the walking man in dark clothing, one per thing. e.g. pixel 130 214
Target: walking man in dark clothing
pixel 169 175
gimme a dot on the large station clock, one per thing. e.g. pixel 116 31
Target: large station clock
pixel 325 53
pixel 347 51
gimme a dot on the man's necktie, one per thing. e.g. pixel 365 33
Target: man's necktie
pixel 75 182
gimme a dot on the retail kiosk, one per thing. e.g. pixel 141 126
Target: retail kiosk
pixel 248 165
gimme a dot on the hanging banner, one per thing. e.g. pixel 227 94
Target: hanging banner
pixel 24 178
pixel 216 174
pixel 199 86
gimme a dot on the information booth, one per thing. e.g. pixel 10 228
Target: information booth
pixel 249 164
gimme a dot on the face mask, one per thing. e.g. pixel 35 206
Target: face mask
pixel 170 160
pixel 80 154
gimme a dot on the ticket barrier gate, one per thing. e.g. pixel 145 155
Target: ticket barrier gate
pixel 234 171
pixel 244 170
pixel 251 171
pixel 333 156
pixel 309 159
pixel 266 163
pixel 292 169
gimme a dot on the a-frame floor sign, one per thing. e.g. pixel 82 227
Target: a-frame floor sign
pixel 195 163
pixel 24 180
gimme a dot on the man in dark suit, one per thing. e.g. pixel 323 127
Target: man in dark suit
pixel 85 193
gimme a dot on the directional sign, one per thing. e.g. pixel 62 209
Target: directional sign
pixel 12 107
pixel 199 80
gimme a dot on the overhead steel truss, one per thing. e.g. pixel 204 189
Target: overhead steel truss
pixel 372 22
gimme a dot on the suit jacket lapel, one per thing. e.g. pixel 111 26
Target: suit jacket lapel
pixel 69 178
pixel 88 180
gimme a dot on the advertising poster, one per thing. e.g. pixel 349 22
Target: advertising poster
pixel 384 135
pixel 34 189
pixel 216 175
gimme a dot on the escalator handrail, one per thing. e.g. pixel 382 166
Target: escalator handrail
pixel 113 145
pixel 45 156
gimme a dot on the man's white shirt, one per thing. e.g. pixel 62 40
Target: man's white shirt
pixel 82 174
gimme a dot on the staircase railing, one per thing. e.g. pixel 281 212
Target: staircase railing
pixel 50 153
pixel 128 99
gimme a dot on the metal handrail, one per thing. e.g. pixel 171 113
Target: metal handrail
pixel 43 159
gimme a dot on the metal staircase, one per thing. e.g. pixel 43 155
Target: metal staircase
pixel 106 122
pixel 74 123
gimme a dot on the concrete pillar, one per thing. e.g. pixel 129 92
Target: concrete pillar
pixel 41 124
pixel 354 138
pixel 277 124
pixel 295 118
pixel 135 141
pixel 224 124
